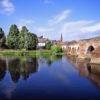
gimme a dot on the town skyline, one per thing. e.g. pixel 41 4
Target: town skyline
pixel 76 20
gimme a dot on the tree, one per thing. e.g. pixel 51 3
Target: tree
pixel 13 37
pixel 30 41
pixel 48 45
pixel 27 40
pixel 22 36
pixel 2 38
pixel 57 49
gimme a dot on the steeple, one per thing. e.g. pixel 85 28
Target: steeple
pixel 61 39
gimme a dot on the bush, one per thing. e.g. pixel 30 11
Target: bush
pixel 48 45
pixel 57 50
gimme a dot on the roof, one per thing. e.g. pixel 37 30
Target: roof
pixel 42 40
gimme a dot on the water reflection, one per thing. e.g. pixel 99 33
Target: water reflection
pixel 48 76
pixel 89 67
pixel 18 67
pixel 29 66
pixel 14 69
pixel 24 67
pixel 2 69
pixel 91 71
pixel 94 74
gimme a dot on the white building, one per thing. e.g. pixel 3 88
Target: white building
pixel 42 42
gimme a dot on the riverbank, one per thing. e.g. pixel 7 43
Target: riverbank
pixel 38 53
pixel 20 53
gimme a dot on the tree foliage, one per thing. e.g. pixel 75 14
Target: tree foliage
pixel 2 37
pixel 48 45
pixel 19 40
pixel 13 37
pixel 22 37
pixel 30 41
pixel 27 40
pixel 57 49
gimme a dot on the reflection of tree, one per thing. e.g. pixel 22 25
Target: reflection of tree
pixel 14 69
pixel 49 59
pixel 24 67
pixel 55 58
pixel 49 62
pixel 2 68
pixel 24 70
pixel 30 65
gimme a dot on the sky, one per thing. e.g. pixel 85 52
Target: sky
pixel 74 19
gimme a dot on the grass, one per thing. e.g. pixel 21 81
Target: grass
pixel 19 53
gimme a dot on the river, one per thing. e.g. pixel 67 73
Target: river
pixel 48 78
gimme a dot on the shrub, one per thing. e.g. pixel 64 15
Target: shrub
pixel 57 50
pixel 48 45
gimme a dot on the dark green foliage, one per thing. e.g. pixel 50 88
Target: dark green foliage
pixel 22 37
pixel 27 40
pixel 48 45
pixel 2 38
pixel 13 37
pixel 19 40
pixel 30 41
pixel 57 49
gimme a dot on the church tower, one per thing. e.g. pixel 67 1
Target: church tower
pixel 61 39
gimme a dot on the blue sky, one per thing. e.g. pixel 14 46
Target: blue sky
pixel 75 19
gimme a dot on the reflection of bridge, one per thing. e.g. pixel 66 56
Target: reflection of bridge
pixel 91 71
pixel 86 69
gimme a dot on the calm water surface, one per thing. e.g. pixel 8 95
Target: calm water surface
pixel 48 78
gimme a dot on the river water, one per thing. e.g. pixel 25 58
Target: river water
pixel 48 78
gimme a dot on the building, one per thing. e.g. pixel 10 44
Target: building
pixel 41 42
pixel 64 45
pixel 60 42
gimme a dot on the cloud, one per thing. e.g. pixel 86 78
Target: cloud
pixel 6 7
pixel 59 18
pixel 80 29
pixel 52 24
pixel 92 28
pixel 71 30
pixel 75 26
pixel 25 22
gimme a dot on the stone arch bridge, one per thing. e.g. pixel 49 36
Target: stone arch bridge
pixel 85 48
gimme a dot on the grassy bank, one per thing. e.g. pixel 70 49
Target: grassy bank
pixel 19 53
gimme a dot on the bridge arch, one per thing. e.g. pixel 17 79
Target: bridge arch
pixel 90 49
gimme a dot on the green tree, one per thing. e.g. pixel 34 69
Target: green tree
pixel 2 38
pixel 27 40
pixel 13 37
pixel 57 49
pixel 48 45
pixel 22 37
pixel 30 41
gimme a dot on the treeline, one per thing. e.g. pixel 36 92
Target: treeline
pixel 18 39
